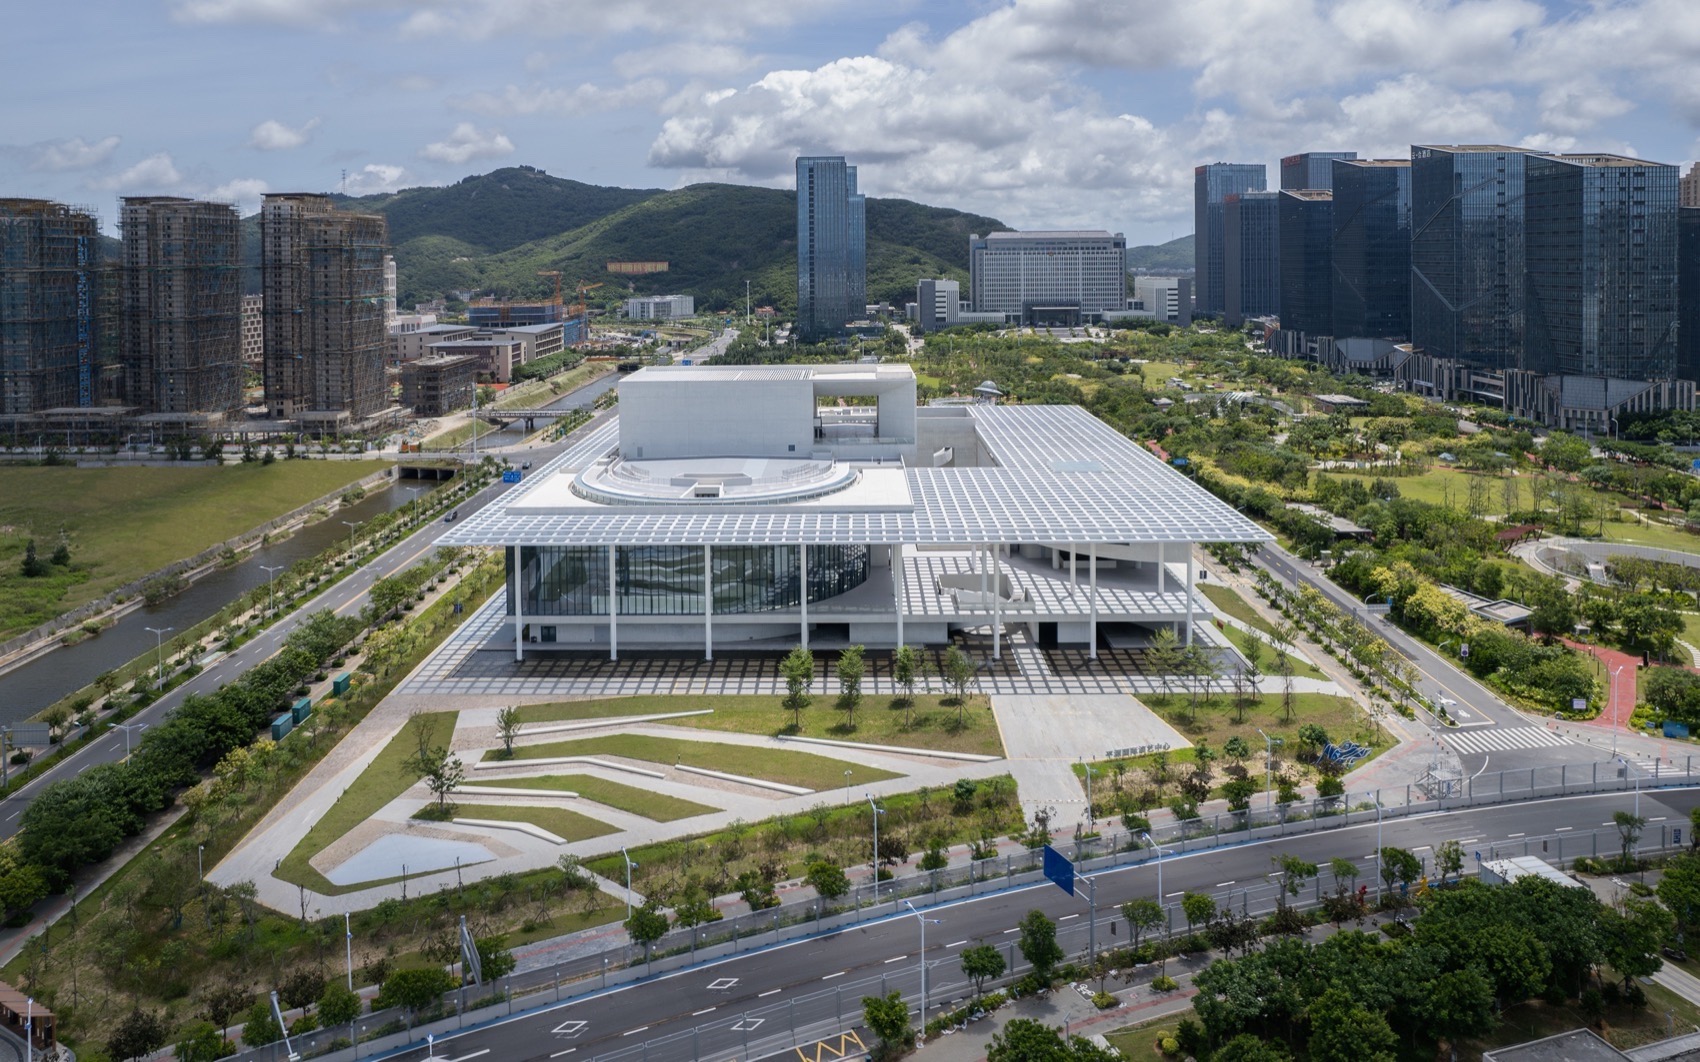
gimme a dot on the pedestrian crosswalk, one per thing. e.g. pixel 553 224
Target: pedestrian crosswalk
pixel 1504 739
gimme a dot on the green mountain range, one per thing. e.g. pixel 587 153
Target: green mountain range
pixel 1162 257
pixel 495 232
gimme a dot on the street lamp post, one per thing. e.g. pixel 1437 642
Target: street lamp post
pixel 1268 770
pixel 271 571
pixel 1378 849
pixel 629 868
pixel 348 945
pixel 413 495
pixel 878 811
pixel 1159 862
pixel 1090 818
pixel 847 788
pixel 923 922
pixel 200 862
pixel 159 634
pixel 351 525
pixel 1611 702
pixel 127 727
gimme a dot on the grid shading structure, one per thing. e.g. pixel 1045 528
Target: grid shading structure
pixel 1056 474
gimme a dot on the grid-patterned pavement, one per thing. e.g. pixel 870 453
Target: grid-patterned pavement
pixel 478 661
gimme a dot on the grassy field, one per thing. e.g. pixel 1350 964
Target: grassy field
pixel 657 806
pixel 569 826
pixel 1236 606
pixel 122 523
pixel 1655 534
pixel 783 766
pixel 879 720
pixel 386 778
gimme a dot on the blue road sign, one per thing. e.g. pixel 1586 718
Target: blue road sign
pixel 1059 870
pixel 511 475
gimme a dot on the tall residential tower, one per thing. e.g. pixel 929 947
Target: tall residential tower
pixel 832 253
pixel 181 292
pixel 52 328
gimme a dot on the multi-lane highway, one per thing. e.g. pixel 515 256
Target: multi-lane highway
pixel 812 985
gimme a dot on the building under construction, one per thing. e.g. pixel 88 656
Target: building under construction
pixel 181 308
pixel 54 326
pixel 322 278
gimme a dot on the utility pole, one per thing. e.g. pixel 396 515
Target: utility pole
pixel 159 634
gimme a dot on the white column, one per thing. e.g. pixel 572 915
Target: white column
pixel 1162 568
pixel 1072 581
pixel 1190 569
pixel 519 603
pixel 708 602
pixel 897 585
pixel 1092 623
pixel 613 607
pixel 997 611
pixel 803 588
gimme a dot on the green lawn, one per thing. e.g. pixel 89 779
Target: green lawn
pixel 123 523
pixel 386 778
pixel 879 720
pixel 657 806
pixel 569 826
pixel 774 765
pixel 1656 534
pixel 1232 604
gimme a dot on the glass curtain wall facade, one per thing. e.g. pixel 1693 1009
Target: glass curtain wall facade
pixel 1033 274
pixel 1467 254
pixel 1211 186
pixel 1688 296
pixel 667 580
pixel 1251 274
pixel 1602 267
pixel 831 246
pixel 1311 169
pixel 1371 250
pixel 1307 228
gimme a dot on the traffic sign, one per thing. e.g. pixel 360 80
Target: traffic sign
pixel 512 475
pixel 1059 870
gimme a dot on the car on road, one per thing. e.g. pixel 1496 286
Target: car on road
pixel 449 519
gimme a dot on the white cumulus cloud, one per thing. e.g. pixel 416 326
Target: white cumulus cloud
pixel 539 100
pixel 376 177
pixel 273 135
pixel 245 192
pixel 468 142
pixel 74 153
pixel 153 174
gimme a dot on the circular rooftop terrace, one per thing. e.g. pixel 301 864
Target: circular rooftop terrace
pixel 711 480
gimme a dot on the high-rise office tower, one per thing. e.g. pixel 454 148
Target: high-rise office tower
pixel 1053 278
pixel 1688 293
pixel 1601 258
pixel 1251 256
pixel 1311 169
pixel 1211 186
pixel 1307 230
pixel 832 251
pixel 53 328
pixel 1691 186
pixel 322 275
pixel 1371 249
pixel 180 340
pixel 1467 265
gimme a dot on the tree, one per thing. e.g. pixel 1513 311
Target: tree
pixel 907 668
pixel 443 774
pixel 338 1004
pixel 1632 939
pixel 1294 873
pixel 1449 860
pixel 1679 891
pixel 798 671
pixel 1399 866
pixel 982 963
pixel 958 673
pixel 223 1002
pixel 1163 656
pixel 61 555
pixel 139 1034
pixel 202 1042
pixel 301 989
pixel 1198 908
pixel 1459 1004
pixel 260 1027
pixel 1249 1048
pixel 414 990
pixel 507 725
pixel 828 879
pixel 1038 944
pixel 646 926
pixel 851 667
pixel 887 1017
pixel 1239 792
pixel 32 566
pixel 1236 749
pixel 1343 1030
pixel 1026 1040
pixel 1629 826
pixel 1142 916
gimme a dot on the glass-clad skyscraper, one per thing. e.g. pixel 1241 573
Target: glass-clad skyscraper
pixel 1307 228
pixel 1601 253
pixel 1311 169
pixel 1211 186
pixel 1251 260
pixel 831 246
pixel 1688 293
pixel 1371 249
pixel 1467 264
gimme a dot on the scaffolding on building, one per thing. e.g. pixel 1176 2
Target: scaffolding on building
pixel 55 304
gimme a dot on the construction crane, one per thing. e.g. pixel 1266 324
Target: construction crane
pixel 580 308
pixel 556 273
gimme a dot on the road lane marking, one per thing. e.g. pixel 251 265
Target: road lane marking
pixel 1561 829
pixel 829 977
pixel 1170 896
pixel 634 1032
pixel 1223 884
pixel 568 1051
pixel 1007 932
pixel 769 992
pixel 896 958
pixel 722 983
pixel 1065 918
pixel 467 1058
pixel 705 1010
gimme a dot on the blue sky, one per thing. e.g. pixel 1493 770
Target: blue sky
pixel 1043 113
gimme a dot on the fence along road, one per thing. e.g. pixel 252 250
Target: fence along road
pixel 799 980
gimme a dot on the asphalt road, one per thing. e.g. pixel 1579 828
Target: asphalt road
pixel 816 985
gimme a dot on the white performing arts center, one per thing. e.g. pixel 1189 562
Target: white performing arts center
pixel 765 506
